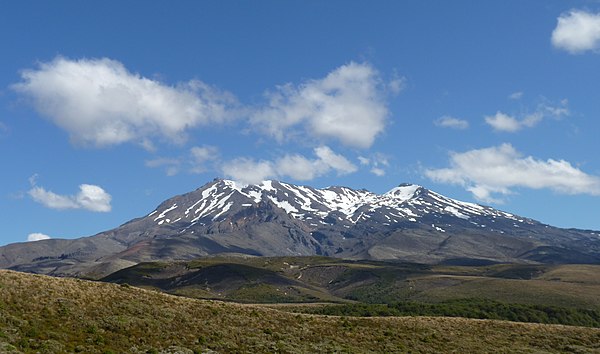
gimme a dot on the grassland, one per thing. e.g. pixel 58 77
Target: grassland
pixel 40 314
pixel 321 279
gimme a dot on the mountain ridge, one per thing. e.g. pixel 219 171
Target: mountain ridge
pixel 407 223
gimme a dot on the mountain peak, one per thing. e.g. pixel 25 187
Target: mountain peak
pixel 224 199
pixel 405 191
pixel 409 223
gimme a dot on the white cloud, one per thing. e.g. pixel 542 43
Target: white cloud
pixel 200 155
pixel 397 84
pixel 378 171
pixel 577 31
pixel 503 122
pixel 497 170
pixel 378 162
pixel 100 103
pixel 331 160
pixel 298 167
pixel 148 145
pixel 36 236
pixel 33 179
pixel 90 197
pixel 172 166
pixel 451 122
pixel 248 171
pixel 197 159
pixel 506 123
pixel 364 160
pixel 51 199
pixel 516 95
pixel 347 105
pixel 93 198
pixel 556 111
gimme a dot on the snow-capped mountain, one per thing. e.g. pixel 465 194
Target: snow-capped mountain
pixel 219 200
pixel 408 223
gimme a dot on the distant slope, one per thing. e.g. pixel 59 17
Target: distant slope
pixel 57 315
pixel 409 223
pixel 323 279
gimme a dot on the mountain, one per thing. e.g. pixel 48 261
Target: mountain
pixel 408 223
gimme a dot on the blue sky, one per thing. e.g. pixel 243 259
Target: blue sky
pixel 107 109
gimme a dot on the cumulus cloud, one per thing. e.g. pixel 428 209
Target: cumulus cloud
pixel 90 197
pixel 330 160
pixel 248 171
pixel 347 105
pixel 507 123
pixel 503 122
pixel 100 103
pixel 577 31
pixel 451 122
pixel 36 236
pixel 494 172
pixel 295 166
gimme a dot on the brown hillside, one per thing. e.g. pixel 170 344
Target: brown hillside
pixel 57 315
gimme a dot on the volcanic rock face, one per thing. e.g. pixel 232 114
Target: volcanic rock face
pixel 408 223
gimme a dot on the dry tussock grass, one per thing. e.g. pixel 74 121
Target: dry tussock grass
pixel 52 315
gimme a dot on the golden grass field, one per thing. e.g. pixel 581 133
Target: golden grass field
pixel 40 314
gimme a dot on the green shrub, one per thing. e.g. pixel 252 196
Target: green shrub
pixel 469 308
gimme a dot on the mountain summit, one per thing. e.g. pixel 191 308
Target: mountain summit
pixel 408 223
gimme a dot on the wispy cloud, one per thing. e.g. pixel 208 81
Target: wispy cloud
pixel 89 197
pixel 201 155
pixel 397 84
pixel 577 31
pixel 172 166
pixel 100 103
pixel 195 161
pixel 507 123
pixel 451 122
pixel 295 166
pixel 516 95
pixel 348 105
pixel 3 129
pixel 494 172
pixel 377 162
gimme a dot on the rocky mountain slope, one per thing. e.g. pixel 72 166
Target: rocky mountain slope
pixel 408 223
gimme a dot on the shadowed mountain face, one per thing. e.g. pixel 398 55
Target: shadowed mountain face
pixel 408 223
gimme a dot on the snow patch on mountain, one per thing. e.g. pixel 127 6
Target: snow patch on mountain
pixel 403 192
pixel 405 203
